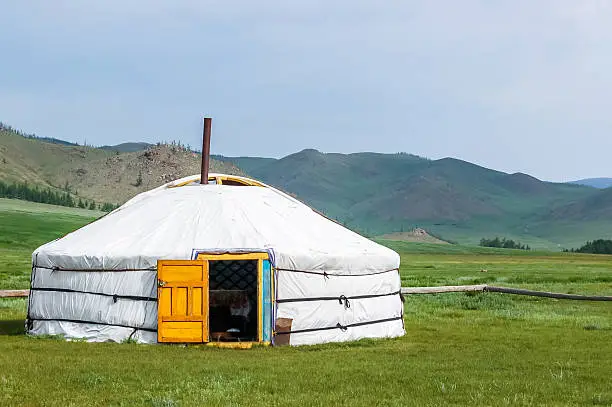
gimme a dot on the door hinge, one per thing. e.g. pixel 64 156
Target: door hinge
pixel 161 283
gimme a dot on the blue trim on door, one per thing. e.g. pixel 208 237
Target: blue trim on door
pixel 266 301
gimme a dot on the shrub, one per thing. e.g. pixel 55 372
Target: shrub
pixel 503 243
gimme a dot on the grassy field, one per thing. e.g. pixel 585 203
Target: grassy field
pixel 548 235
pixel 26 225
pixel 433 265
pixel 460 349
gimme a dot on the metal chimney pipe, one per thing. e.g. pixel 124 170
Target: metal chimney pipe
pixel 205 150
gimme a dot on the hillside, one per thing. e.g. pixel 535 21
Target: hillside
pixel 393 187
pixel 460 201
pixel 94 173
pixel 593 208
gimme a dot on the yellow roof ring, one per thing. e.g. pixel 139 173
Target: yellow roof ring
pixel 219 178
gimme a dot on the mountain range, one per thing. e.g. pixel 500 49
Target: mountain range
pixel 460 201
pixel 374 193
pixel 601 183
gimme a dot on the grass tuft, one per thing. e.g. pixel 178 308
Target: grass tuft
pixel 601 400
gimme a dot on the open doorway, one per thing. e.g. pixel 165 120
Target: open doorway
pixel 234 300
pixel 215 298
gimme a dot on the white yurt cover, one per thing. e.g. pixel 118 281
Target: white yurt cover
pixel 99 282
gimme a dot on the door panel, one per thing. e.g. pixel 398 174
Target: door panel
pixel 182 331
pixel 197 308
pixel 178 270
pixel 182 301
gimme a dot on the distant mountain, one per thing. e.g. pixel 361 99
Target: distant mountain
pixel 394 187
pixel 53 140
pixel 247 164
pixel 460 201
pixel 127 147
pixel 600 183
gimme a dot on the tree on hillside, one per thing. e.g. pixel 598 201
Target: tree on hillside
pixel 599 246
pixel 138 179
pixel 26 192
pixel 107 207
pixel 503 243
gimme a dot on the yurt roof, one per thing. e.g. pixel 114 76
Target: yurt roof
pixel 172 222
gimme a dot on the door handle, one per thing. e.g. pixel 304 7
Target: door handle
pixel 161 283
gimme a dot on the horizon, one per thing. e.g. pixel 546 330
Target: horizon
pixel 517 88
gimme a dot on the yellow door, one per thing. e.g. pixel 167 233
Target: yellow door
pixel 182 295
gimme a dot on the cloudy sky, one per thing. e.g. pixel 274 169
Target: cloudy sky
pixel 511 85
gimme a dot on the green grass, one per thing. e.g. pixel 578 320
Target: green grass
pixel 484 349
pixel 459 350
pixel 24 226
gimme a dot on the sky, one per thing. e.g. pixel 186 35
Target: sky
pixel 517 86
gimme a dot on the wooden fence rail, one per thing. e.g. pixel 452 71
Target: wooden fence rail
pixel 505 290
pixel 518 291
pixel 432 290
pixel 443 289
pixel 14 293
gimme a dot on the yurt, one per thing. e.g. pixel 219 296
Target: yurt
pixel 233 261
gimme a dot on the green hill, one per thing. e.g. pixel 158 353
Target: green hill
pixel 460 201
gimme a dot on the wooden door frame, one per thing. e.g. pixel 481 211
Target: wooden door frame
pixel 260 257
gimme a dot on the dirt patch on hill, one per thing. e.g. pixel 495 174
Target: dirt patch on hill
pixel 118 177
pixel 416 235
